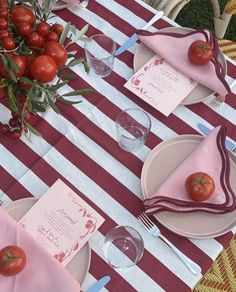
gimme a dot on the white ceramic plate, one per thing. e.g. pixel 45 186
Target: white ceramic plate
pixel 143 54
pixel 160 163
pixel 79 265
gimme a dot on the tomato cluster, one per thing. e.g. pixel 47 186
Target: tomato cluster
pixel 34 48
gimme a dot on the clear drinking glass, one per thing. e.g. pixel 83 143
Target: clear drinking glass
pixel 100 53
pixel 133 126
pixel 123 247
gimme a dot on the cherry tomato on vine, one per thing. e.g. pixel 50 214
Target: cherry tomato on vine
pixel 15 134
pixel 4 33
pixel 24 28
pixel 3 23
pixel 43 68
pixel 34 39
pixel 12 260
pixel 57 52
pixel 20 62
pixel 8 43
pixel 3 11
pixel 52 36
pixel 42 28
pixel 21 14
pixel 58 28
pixel 199 186
pixel 200 53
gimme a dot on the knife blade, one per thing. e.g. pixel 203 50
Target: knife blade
pixel 97 286
pixel 229 145
pixel 129 43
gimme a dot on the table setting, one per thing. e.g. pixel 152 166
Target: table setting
pixel 94 185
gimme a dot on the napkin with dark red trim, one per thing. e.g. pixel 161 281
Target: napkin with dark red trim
pixel 210 157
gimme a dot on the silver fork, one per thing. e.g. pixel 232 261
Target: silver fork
pixel 155 231
pixel 219 99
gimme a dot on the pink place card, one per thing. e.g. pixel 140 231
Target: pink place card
pixel 160 85
pixel 61 222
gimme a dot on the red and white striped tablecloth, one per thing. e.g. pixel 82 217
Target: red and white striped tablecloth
pixel 79 146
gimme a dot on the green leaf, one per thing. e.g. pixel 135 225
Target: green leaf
pixel 82 32
pixel 86 67
pixel 12 99
pixel 52 104
pixel 7 67
pixel 38 107
pixel 32 129
pixel 68 76
pixel 79 92
pixel 75 62
pixel 65 101
pixel 12 64
pixel 65 33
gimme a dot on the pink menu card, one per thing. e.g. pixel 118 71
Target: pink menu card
pixel 160 85
pixel 61 222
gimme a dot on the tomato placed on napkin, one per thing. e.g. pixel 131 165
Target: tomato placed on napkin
pixel 199 186
pixel 200 52
pixel 12 260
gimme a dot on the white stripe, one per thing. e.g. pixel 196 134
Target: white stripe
pixel 209 246
pixel 89 281
pixel 4 198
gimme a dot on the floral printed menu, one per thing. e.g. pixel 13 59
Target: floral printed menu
pixel 160 85
pixel 61 222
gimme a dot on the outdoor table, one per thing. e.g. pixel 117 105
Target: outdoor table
pixel 79 146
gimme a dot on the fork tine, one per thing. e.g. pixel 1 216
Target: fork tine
pixel 144 218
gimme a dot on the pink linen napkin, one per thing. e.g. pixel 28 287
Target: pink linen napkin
pixel 210 157
pixel 42 272
pixel 173 47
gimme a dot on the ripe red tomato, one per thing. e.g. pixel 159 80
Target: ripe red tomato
pixel 8 43
pixel 52 36
pixel 57 28
pixel 3 23
pixel 12 260
pixel 21 14
pixel 4 33
pixel 200 53
pixel 20 62
pixel 34 39
pixel 24 28
pixel 43 28
pixel 199 186
pixel 57 52
pixel 3 11
pixel 43 68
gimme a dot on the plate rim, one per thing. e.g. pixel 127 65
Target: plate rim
pixel 187 29
pixel 220 232
pixel 35 199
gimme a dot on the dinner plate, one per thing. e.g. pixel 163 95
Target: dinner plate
pixel 143 54
pixel 160 163
pixel 78 267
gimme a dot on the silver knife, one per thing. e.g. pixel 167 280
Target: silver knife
pixel 129 43
pixel 229 145
pixel 97 286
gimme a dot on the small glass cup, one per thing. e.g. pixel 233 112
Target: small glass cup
pixel 133 126
pixel 123 247
pixel 100 54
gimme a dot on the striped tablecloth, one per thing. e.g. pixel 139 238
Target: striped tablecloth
pixel 79 146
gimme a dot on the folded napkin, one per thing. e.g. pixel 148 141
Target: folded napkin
pixel 210 157
pixel 173 47
pixel 42 272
